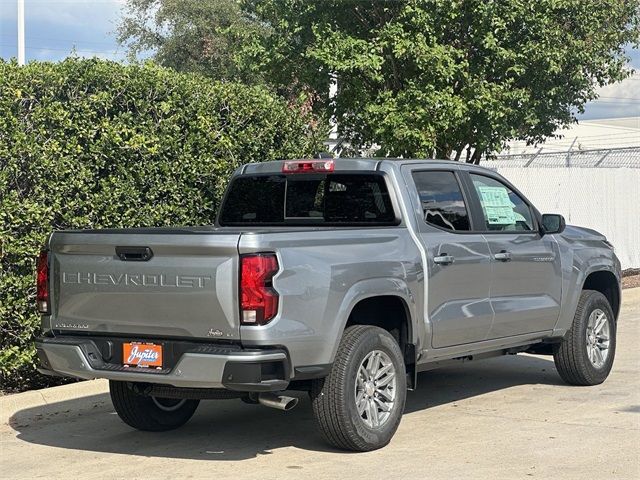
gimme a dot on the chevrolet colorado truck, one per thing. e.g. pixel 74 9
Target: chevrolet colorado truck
pixel 342 278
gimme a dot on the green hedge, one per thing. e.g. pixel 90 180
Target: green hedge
pixel 90 144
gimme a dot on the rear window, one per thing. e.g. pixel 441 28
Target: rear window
pixel 303 199
pixel 442 201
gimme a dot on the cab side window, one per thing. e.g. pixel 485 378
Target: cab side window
pixel 442 201
pixel 502 208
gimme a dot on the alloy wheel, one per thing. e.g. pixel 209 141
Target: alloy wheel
pixel 375 389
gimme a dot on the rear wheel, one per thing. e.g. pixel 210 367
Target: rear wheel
pixel 359 405
pixel 149 413
pixel 585 356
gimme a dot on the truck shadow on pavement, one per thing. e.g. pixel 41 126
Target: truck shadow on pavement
pixel 226 430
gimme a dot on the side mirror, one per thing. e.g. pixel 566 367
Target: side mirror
pixel 553 223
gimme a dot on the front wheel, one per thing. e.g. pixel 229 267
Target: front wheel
pixel 359 405
pixel 585 355
pixel 149 413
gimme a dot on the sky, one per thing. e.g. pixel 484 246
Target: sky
pixel 56 27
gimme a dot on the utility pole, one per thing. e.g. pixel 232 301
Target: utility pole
pixel 20 32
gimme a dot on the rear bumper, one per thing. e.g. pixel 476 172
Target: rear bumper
pixel 203 366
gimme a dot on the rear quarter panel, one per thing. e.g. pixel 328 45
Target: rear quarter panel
pixel 324 273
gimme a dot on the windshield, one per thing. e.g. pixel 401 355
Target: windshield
pixel 308 199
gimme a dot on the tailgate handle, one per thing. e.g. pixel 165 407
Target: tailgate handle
pixel 134 254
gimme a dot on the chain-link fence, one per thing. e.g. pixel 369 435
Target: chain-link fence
pixel 628 157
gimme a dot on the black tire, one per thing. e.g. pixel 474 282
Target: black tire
pixel 148 413
pixel 571 355
pixel 333 398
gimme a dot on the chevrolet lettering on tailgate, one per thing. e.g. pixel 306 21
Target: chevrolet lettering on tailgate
pixel 135 279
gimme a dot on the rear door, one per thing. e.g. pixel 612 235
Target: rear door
pixel 459 264
pixel 186 287
pixel 526 277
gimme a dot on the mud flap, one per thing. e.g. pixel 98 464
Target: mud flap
pixel 410 365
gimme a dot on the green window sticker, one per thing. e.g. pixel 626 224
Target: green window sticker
pixel 497 205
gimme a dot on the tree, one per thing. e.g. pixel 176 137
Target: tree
pixel 422 77
pixel 190 35
pixel 458 77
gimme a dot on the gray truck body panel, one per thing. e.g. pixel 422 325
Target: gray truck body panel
pixel 191 279
pixel 189 289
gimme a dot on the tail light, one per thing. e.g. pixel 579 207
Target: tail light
pixel 308 166
pixel 42 282
pixel 258 299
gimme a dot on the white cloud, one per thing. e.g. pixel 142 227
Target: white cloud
pixel 620 99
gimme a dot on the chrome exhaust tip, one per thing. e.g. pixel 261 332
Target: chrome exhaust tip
pixel 280 402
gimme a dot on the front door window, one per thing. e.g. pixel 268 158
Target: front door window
pixel 502 208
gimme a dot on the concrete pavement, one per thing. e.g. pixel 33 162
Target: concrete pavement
pixel 508 417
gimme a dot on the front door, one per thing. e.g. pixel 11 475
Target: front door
pixel 526 277
pixel 458 261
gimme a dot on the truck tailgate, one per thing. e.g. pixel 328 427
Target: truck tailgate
pixel 188 288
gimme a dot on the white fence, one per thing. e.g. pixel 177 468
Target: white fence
pixel 604 199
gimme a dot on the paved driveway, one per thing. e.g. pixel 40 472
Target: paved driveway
pixel 508 417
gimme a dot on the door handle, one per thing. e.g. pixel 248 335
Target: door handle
pixel 503 256
pixel 443 259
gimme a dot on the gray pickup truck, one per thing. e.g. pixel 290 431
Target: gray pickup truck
pixel 342 278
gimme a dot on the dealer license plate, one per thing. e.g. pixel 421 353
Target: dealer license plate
pixel 140 354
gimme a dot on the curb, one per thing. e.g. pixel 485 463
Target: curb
pixel 14 403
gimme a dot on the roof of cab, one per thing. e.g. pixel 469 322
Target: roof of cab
pixel 369 164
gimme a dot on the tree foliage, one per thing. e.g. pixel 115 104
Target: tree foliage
pixel 90 144
pixel 191 35
pixel 419 77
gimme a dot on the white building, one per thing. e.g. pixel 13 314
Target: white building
pixel 587 135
